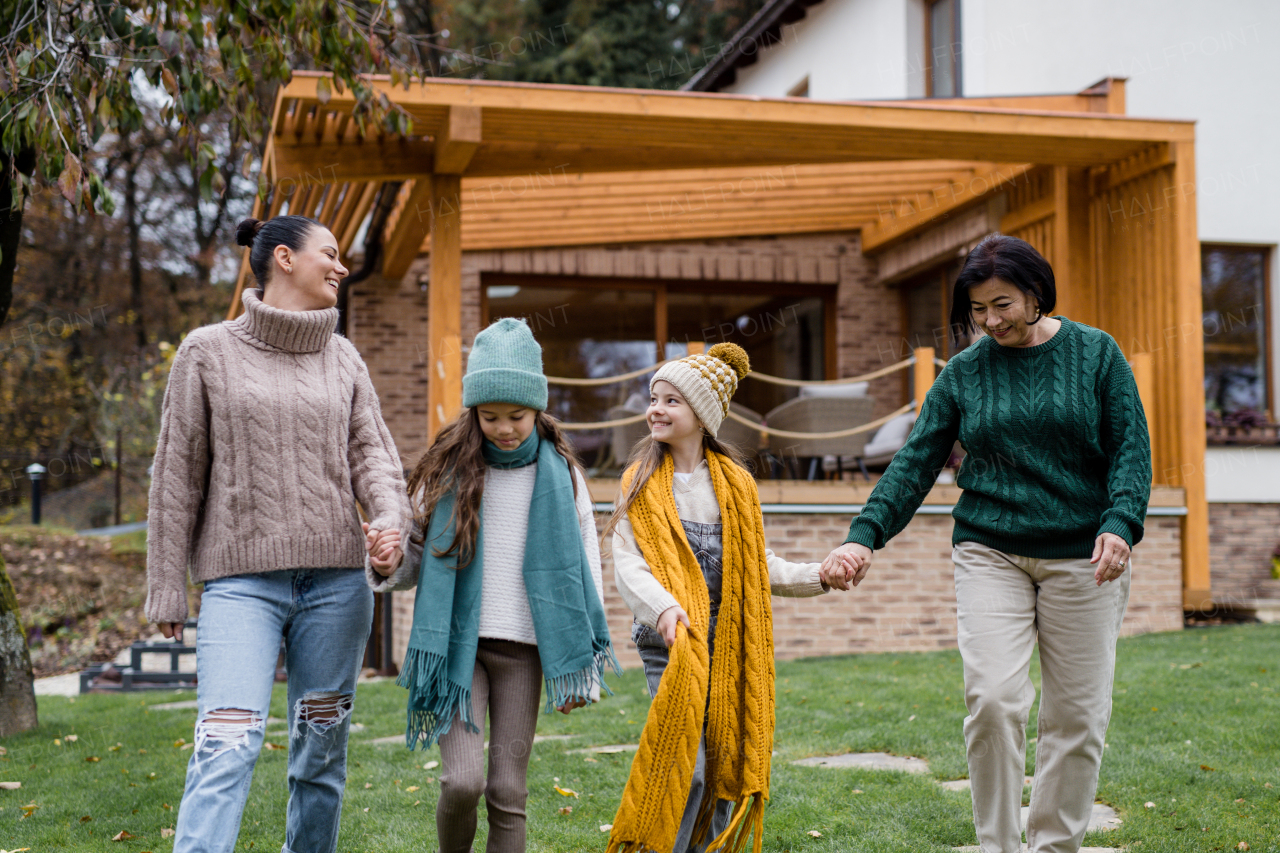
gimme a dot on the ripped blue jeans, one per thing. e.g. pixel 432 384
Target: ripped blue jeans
pixel 324 616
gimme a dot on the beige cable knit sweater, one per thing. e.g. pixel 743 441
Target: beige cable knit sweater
pixel 270 433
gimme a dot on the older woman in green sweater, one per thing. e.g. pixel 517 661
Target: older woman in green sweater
pixel 1055 490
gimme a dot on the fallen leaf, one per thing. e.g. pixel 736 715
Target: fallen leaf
pixel 566 810
pixel 1240 799
pixel 151 775
pixel 1267 785
pixel 431 765
pixel 3 751
pixel 566 792
pixel 166 807
pixel 912 717
pixel 122 835
pixel 368 785
pixel 28 809
pixel 1148 805
pixel 366 808
pixel 57 741
pixel 71 738
pixel 417 802
pixel 605 827
pixel 815 833
pixel 115 748
pixel 188 746
pixel 269 745
pixel 1206 768
pixel 92 759
pixel 1243 845
pixel 10 786
pixel 166 832
pixel 85 819
pixel 411 789
pixel 857 790
pixel 179 743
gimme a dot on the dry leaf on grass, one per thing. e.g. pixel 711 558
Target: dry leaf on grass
pixel 411 789
pixel 122 835
pixel 1148 805
pixel 92 759
pixel 10 786
pixel 431 765
pixel 605 827
pixel 1206 768
pixel 166 832
pixel 269 745
pixel 566 810
pixel 86 819
pixel 1243 845
pixel 815 833
pixel 566 792
pixel 28 809
pixel 71 738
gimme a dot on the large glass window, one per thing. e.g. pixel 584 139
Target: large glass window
pixel 1234 284
pixel 942 36
pixel 592 328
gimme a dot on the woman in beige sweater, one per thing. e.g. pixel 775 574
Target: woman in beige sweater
pixel 270 435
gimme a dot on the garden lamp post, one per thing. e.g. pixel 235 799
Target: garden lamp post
pixel 35 472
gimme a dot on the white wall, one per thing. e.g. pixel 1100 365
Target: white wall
pixel 1215 62
pixel 850 50
pixel 1242 474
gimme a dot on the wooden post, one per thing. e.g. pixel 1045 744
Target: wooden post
pixel 1144 377
pixel 1189 367
pixel 924 375
pixel 697 347
pixel 444 302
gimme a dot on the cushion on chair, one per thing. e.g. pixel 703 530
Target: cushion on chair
pixel 852 389
pixel 891 436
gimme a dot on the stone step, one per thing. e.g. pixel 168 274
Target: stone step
pixel 868 761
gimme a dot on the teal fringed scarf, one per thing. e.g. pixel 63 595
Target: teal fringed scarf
pixel 562 597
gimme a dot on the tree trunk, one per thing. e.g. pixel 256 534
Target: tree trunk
pixel 10 236
pixel 134 224
pixel 17 692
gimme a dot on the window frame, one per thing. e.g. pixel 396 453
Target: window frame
pixel 1267 250
pixel 928 50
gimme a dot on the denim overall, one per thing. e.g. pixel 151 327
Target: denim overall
pixel 708 547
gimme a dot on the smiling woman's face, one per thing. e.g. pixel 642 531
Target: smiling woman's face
pixel 314 271
pixel 1004 312
pixel 506 425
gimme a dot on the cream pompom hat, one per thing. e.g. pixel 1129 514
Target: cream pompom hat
pixel 707 381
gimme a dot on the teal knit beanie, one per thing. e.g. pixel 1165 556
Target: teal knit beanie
pixel 505 366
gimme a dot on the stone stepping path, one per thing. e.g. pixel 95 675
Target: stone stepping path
pixel 610 749
pixel 378 741
pixel 1102 816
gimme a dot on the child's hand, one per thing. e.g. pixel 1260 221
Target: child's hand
pixel 385 554
pixel 667 622
pixel 573 703
pixel 847 564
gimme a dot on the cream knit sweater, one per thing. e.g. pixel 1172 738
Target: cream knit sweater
pixel 504 602
pixel 695 501
pixel 270 434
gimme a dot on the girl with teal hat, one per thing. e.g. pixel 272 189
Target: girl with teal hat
pixel 505 557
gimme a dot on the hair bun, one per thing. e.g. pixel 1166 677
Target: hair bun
pixel 732 355
pixel 247 230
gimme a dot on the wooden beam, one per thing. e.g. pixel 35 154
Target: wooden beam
pixel 457 144
pixel 369 160
pixel 1190 428
pixel 885 232
pixel 444 303
pixel 1039 209
pixel 411 228
pixel 1061 248
pixel 924 375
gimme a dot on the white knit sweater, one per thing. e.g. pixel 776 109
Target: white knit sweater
pixel 695 501
pixel 504 603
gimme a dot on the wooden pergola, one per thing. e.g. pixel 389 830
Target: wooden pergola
pixel 1107 198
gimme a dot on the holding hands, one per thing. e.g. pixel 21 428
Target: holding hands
pixel 384 549
pixel 846 565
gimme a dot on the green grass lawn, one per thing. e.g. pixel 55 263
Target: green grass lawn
pixel 1195 731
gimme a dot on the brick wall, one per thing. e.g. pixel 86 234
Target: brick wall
pixel 906 603
pixel 1242 537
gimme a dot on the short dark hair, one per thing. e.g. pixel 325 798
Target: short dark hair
pixel 1008 259
pixel 263 237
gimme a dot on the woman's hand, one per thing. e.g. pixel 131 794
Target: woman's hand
pixel 846 564
pixel 1111 553
pixel 170 630
pixel 667 622
pixel 571 704
pixel 384 549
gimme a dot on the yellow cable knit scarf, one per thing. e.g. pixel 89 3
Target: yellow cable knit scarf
pixel 734 692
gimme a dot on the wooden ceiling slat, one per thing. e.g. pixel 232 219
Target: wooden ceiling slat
pixel 352 226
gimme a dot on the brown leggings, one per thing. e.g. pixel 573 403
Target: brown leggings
pixel 508 685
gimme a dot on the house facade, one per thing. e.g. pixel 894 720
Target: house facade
pixel 1208 62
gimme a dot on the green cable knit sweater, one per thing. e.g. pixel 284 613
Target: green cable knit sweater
pixel 1058 451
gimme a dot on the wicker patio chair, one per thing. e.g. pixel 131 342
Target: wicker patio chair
pixel 819 414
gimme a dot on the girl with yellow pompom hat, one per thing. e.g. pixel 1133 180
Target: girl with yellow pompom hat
pixel 691 563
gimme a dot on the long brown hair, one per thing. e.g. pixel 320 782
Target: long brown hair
pixel 455 463
pixel 645 459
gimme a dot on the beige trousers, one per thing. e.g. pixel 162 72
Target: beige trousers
pixel 1004 602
